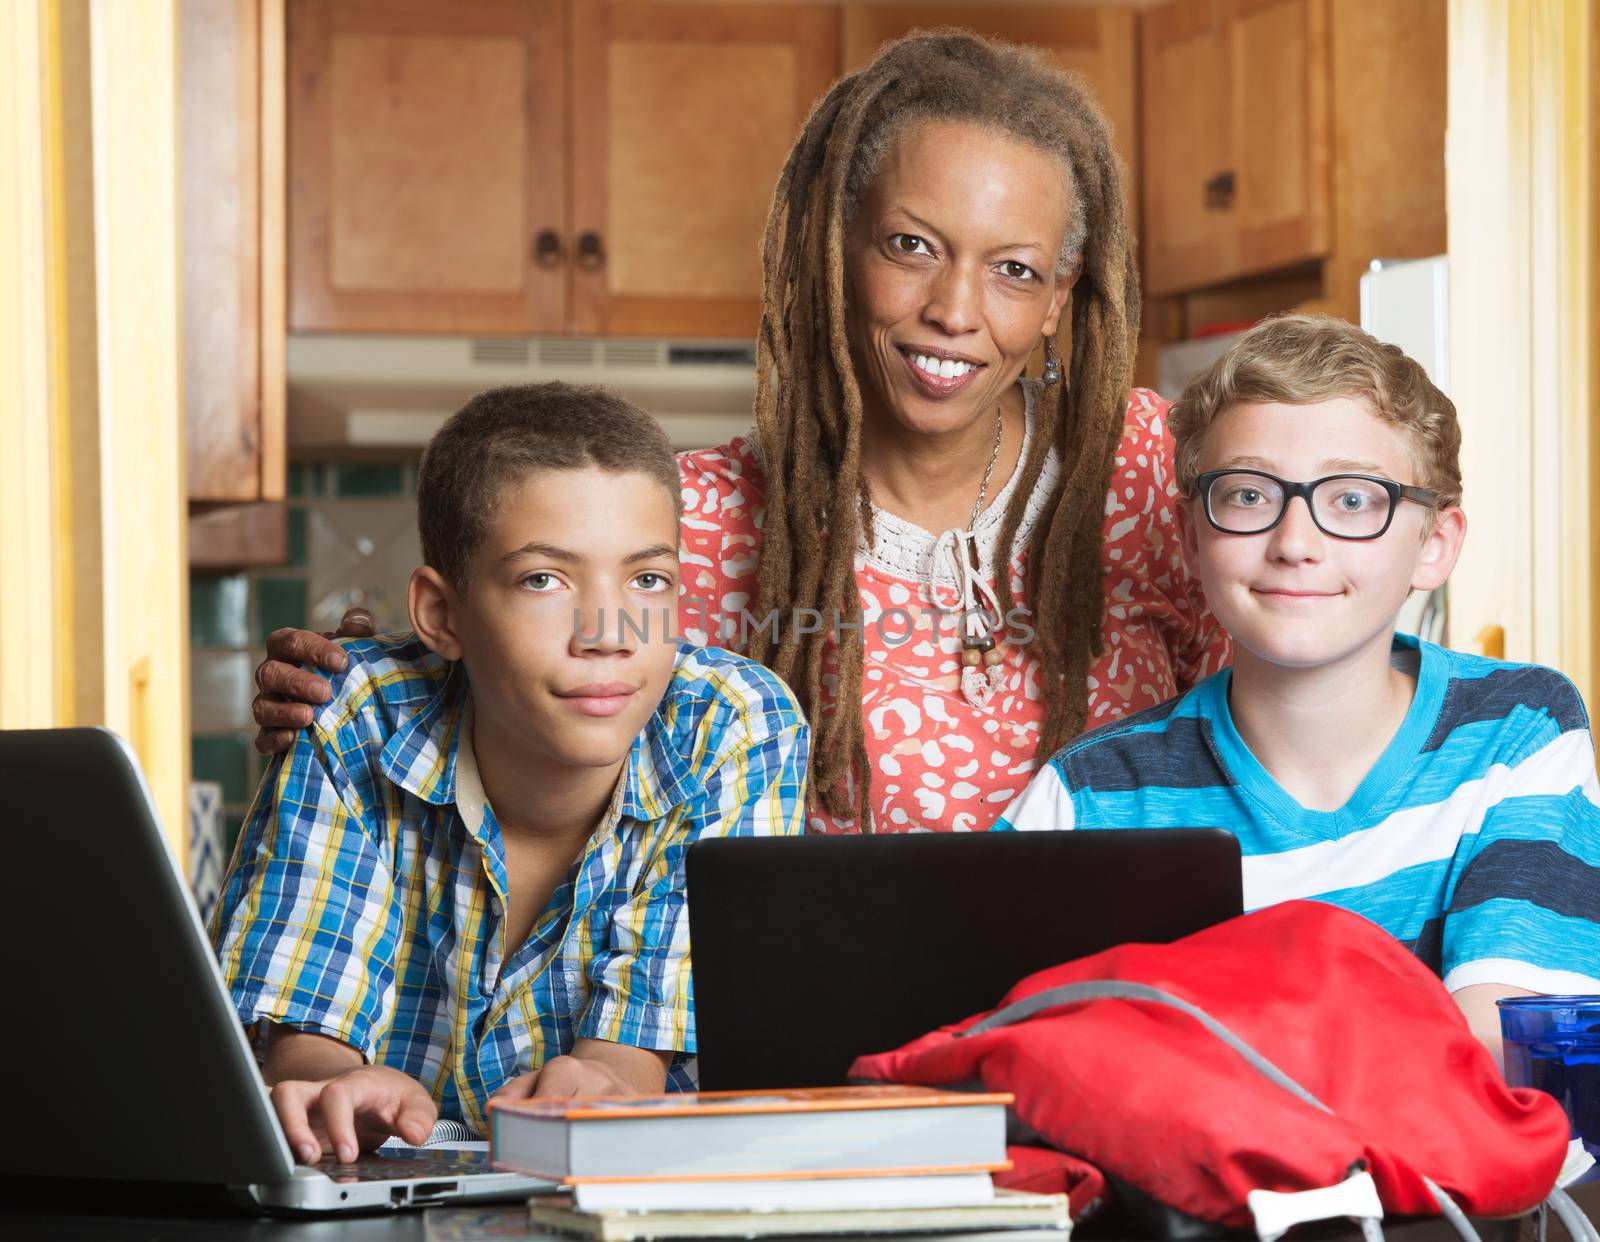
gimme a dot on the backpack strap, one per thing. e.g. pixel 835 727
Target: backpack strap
pixel 1453 1214
pixel 1118 989
pixel 1579 1227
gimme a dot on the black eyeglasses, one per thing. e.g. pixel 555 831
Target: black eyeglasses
pixel 1346 506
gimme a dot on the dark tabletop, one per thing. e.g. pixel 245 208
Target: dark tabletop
pixel 38 1210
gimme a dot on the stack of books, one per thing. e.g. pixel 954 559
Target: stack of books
pixel 874 1159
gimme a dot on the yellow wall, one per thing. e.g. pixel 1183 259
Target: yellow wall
pixel 1521 204
pixel 93 599
pixel 28 604
pixel 134 89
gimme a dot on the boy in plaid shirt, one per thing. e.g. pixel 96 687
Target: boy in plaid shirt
pixel 466 878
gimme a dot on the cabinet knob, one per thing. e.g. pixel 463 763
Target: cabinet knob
pixel 547 251
pixel 591 252
pixel 1219 191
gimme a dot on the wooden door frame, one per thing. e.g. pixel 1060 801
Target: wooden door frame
pixel 1521 190
pixel 30 545
pixel 93 577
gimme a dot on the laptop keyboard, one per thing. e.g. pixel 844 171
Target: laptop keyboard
pixel 403 1162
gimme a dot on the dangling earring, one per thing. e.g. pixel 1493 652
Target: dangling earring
pixel 1052 364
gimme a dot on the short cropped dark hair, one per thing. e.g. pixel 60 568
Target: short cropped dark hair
pixel 503 435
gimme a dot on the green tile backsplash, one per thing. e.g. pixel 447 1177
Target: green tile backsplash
pixel 297 536
pixel 224 758
pixel 369 480
pixel 218 610
pixel 352 539
pixel 279 602
pixel 308 478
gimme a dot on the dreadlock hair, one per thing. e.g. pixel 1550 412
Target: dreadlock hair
pixel 808 401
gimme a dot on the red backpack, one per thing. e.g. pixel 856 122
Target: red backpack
pixel 1296 1049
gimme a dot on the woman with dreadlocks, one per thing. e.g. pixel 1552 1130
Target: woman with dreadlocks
pixel 957 568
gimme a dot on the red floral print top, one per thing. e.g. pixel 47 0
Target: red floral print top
pixel 940 764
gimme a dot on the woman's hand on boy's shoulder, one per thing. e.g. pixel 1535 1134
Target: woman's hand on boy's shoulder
pixel 287 695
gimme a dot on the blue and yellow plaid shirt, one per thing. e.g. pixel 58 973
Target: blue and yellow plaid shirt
pixel 365 897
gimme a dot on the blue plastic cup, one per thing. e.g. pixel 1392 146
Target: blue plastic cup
pixel 1553 1043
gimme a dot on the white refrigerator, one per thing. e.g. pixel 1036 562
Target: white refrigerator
pixel 1406 302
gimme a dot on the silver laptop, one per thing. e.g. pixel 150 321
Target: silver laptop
pixel 124 1057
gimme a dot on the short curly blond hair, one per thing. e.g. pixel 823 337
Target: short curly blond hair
pixel 1300 359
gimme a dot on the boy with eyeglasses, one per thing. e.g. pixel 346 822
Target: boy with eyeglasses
pixel 1449 798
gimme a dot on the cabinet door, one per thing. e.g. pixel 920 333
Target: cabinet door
pixel 1188 150
pixel 682 117
pixel 1237 141
pixel 1282 135
pixel 1098 43
pixel 427 158
pixel 231 247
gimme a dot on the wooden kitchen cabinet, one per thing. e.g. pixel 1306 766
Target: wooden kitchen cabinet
pixel 427 169
pixel 532 167
pixel 231 239
pixel 1237 139
pixel 1096 42
pixel 682 117
pixel 1383 195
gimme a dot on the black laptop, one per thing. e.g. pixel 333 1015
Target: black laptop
pixel 811 951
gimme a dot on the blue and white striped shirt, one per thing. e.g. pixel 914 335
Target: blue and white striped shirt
pixel 1474 839
pixel 365 898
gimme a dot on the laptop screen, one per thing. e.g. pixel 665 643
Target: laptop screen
pixel 811 951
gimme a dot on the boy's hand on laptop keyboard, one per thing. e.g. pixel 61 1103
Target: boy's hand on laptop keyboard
pixel 352 1112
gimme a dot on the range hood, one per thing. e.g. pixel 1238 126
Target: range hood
pixel 389 392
